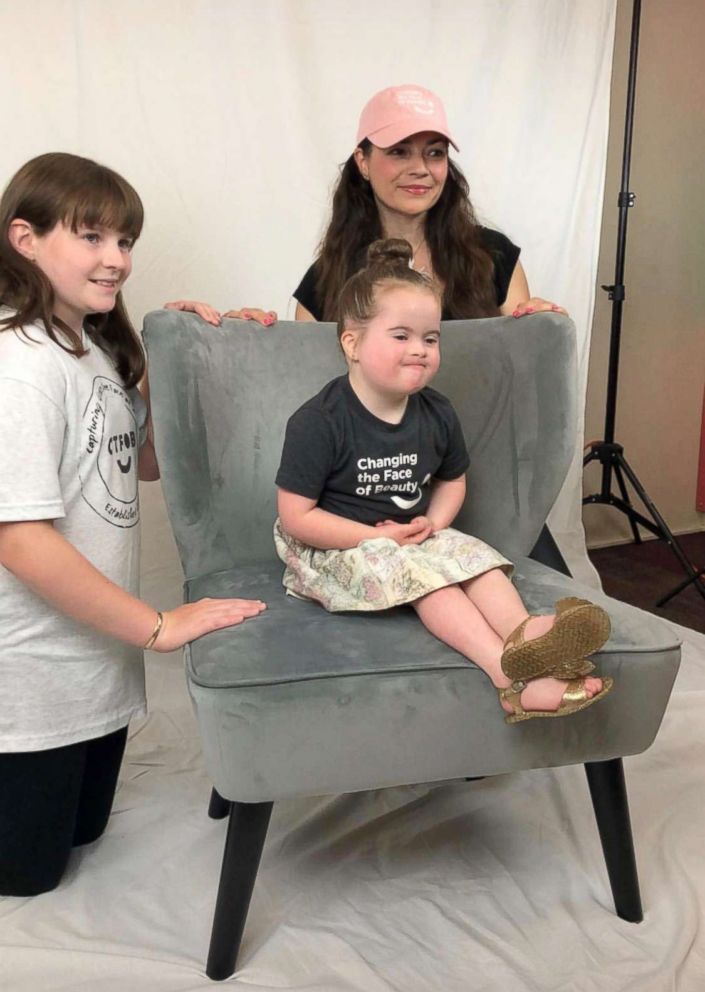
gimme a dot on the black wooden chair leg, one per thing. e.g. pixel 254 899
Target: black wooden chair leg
pixel 609 799
pixel 218 808
pixel 247 829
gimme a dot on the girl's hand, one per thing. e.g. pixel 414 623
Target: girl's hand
pixel 265 317
pixel 204 310
pixel 193 620
pixel 534 305
pixel 416 531
pixel 427 522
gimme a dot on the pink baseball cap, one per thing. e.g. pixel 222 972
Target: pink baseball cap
pixel 400 111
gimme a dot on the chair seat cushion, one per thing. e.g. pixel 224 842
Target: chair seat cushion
pixel 297 640
pixel 301 702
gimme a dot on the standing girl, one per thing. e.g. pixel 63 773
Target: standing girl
pixel 372 475
pixel 75 436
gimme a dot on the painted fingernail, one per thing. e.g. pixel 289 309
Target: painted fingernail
pixel 267 321
pixel 529 310
pixel 516 314
pixel 554 306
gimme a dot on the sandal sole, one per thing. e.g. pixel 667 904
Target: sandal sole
pixel 578 631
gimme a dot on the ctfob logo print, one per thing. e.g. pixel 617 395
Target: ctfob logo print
pixel 109 454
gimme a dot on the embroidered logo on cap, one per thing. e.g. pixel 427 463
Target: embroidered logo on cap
pixel 417 101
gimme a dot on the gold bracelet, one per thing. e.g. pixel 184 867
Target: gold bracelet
pixel 155 633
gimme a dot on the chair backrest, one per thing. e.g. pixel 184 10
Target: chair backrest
pixel 221 398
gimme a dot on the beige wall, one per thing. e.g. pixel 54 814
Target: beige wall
pixel 662 364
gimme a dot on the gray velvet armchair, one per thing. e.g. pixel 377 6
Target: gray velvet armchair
pixel 299 702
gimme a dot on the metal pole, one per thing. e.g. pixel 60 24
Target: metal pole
pixel 625 200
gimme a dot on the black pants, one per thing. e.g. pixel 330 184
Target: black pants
pixel 51 801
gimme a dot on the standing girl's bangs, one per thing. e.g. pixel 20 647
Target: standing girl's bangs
pixel 104 199
pixel 62 188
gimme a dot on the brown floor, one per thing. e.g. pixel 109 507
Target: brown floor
pixel 641 574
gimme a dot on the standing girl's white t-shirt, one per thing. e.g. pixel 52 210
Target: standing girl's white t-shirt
pixel 69 446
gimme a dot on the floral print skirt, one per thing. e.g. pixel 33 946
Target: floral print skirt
pixel 379 573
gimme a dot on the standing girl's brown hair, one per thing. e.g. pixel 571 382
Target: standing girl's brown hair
pixel 61 188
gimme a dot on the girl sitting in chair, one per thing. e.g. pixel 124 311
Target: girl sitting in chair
pixel 371 477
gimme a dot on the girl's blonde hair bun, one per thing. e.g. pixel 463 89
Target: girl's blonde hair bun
pixel 389 252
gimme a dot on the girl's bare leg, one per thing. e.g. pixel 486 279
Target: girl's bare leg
pixel 501 605
pixel 451 616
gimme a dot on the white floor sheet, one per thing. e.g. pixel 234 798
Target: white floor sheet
pixel 461 887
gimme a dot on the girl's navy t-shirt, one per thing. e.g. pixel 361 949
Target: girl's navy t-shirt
pixel 362 468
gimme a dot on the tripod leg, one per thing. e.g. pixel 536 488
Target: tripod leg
pixel 681 586
pixel 664 531
pixel 625 496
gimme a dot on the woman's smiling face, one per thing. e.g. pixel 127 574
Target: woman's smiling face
pixel 406 178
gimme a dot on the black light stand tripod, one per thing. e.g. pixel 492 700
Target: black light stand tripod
pixel 608 452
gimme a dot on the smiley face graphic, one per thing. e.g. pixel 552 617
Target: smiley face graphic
pixel 109 455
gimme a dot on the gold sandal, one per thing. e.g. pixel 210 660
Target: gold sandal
pixel 574 698
pixel 580 629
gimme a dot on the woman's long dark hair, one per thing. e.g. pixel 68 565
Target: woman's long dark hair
pixel 61 188
pixel 452 233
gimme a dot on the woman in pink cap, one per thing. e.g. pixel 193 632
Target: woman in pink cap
pixel 400 183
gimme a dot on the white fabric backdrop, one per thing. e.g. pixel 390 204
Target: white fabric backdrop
pixel 230 119
pixel 231 116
